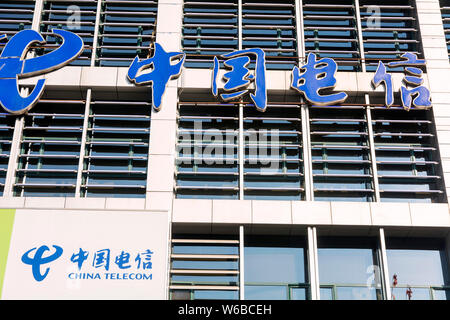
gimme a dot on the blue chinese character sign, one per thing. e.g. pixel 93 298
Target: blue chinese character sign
pixel 14 65
pixel 240 77
pixel 418 96
pixel 162 71
pixel 315 76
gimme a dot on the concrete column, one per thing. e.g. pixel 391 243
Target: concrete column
pixel 163 132
pixel 438 70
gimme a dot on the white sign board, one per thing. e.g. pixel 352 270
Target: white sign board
pixel 60 254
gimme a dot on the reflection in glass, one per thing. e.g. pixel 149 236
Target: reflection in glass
pixel 265 293
pixel 275 268
pixel 349 269
pixel 420 267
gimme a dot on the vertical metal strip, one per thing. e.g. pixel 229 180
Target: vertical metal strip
pixel 307 158
pixel 312 264
pixel 360 36
pixel 241 264
pixel 373 156
pixel 384 267
pixel 239 24
pixel 83 143
pixel 241 115
pixel 96 33
pixel 316 264
pixel 300 31
pixel 241 151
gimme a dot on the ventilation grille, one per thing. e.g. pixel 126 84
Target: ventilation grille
pixel 341 154
pixel 15 16
pixel 117 147
pixel 273 153
pixel 204 269
pixel 389 32
pixel 74 16
pixel 271 27
pixel 7 122
pixel 407 159
pixel 50 148
pixel 331 31
pixel 445 10
pixel 209 29
pixel 127 28
pixel 207 162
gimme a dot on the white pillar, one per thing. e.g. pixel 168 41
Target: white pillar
pixel 438 70
pixel 241 264
pixel 385 279
pixel 163 131
pixel 313 266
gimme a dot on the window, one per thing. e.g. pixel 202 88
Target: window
pixel 275 268
pixel 445 10
pixel 15 16
pixel 74 16
pixel 419 265
pixel 207 162
pixel 341 154
pixel 7 123
pixel 116 156
pixel 50 149
pixel 126 30
pixel 388 30
pixel 407 159
pixel 273 153
pixel 209 29
pixel 349 269
pixel 331 31
pixel 204 267
pixel 271 27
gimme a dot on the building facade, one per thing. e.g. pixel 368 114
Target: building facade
pixel 301 201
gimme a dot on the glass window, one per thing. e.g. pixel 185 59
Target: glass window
pixel 349 269
pixel 275 268
pixel 420 268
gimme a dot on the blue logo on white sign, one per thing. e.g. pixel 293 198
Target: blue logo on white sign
pixel 127 265
pixel 38 259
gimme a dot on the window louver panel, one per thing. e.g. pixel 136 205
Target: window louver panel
pixel 407 160
pixel 209 29
pixel 445 10
pixel 389 33
pixel 127 29
pixel 50 148
pixel 207 162
pixel 115 164
pixel 204 268
pixel 75 16
pixel 15 16
pixel 331 31
pixel 271 27
pixel 340 154
pixel 7 122
pixel 273 167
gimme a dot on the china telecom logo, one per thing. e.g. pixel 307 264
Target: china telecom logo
pixel 137 266
pixel 38 260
